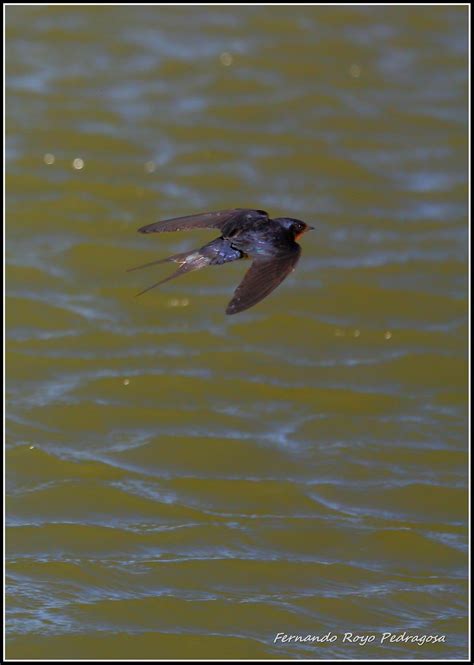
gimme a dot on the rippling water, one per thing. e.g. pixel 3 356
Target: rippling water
pixel 184 484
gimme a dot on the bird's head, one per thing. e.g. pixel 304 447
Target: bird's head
pixel 294 226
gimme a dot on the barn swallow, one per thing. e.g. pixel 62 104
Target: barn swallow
pixel 245 233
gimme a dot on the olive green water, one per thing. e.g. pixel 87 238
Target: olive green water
pixel 182 484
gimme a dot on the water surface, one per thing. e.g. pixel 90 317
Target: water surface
pixel 184 484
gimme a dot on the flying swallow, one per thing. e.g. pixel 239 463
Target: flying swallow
pixel 245 233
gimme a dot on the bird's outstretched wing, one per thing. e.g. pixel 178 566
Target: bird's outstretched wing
pixel 263 276
pixel 206 220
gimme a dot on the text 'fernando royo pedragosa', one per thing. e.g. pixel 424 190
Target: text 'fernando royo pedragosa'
pixel 361 639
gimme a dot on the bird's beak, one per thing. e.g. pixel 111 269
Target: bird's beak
pixel 310 228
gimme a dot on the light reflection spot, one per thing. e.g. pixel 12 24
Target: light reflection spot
pixel 226 59
pixel 178 302
pixel 355 71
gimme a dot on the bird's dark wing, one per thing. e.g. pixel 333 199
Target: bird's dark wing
pixel 263 276
pixel 205 220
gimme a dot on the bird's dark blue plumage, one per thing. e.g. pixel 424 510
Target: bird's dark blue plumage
pixel 245 233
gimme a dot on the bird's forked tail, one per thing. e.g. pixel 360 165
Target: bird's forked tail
pixel 188 261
